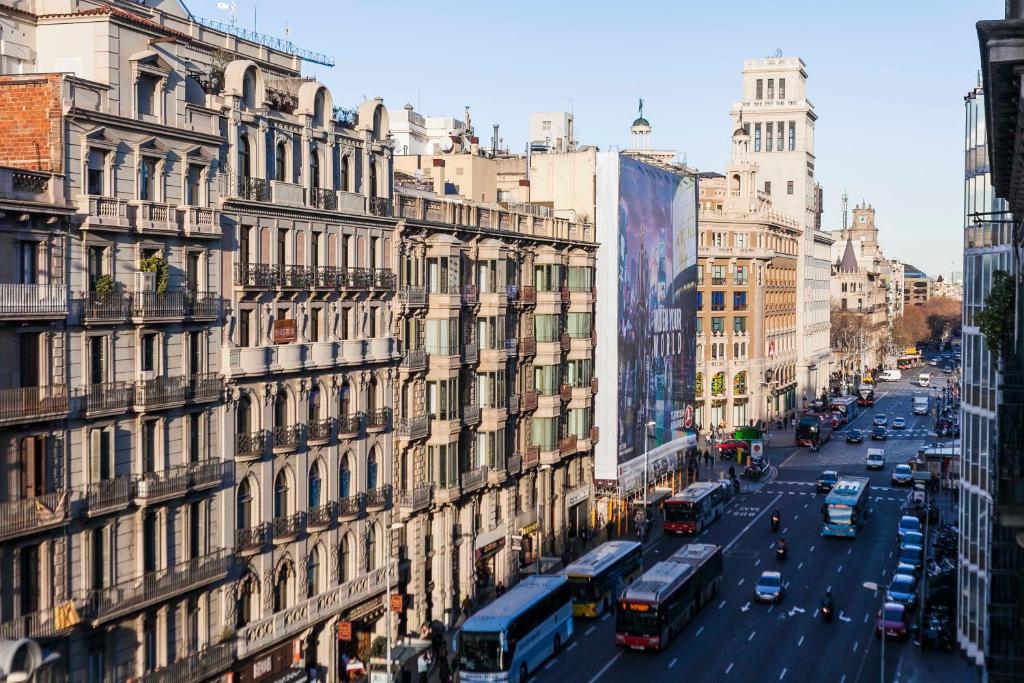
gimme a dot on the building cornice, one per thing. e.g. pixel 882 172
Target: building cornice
pixel 156 129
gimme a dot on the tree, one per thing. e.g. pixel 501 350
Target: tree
pixel 943 316
pixel 995 321
pixel 910 328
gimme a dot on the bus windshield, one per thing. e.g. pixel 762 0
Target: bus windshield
pixel 638 623
pixel 840 514
pixel 481 652
pixel 583 589
pixel 679 512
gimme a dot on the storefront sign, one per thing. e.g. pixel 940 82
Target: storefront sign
pixel 284 331
pixel 397 602
pixel 517 543
pixel 490 548
pixel 529 529
pixel 757 449
pixel 577 496
pixel 270 666
pixel 345 630
pixel 367 608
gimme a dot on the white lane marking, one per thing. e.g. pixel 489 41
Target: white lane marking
pixel 672 663
pixel 805 505
pixel 606 616
pixel 771 608
pixel 752 634
pixel 849 551
pixel 573 646
pixel 589 630
pixel 605 667
pixel 843 679
pixel 783 674
pixel 728 668
pixel 855 645
pixel 795 517
pixel 866 618
pixel 758 562
pixel 771 545
pixel 721 604
pixel 812 548
pixel 550 664
pixel 756 517
pixel 700 630
pixel 785 530
pixel 840 570
pixel 815 614
pixel 741 582
pixel 890 554
pixel 800 642
pixel 800 566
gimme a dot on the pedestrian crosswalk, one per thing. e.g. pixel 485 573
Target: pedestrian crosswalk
pixel 899 434
pixel 808 488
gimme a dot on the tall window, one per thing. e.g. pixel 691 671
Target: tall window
pixel 771 88
pixel 371 471
pixel 768 134
pixel 243 505
pixel 148 180
pixel 282 587
pixel 789 187
pixel 244 157
pixel 280 160
pixel 249 89
pixel 344 479
pixel 768 183
pixel 782 88
pixel 193 179
pixel 314 486
pixel 96 172
pixel 147 94
pixel 345 172
pixel 781 128
pixel 281 492
pixel 149 446
pixel 344 560
pixel 792 135
pixel 371 548
pixel 313 572
pixel 757 137
pixel 760 89
pixel 314 167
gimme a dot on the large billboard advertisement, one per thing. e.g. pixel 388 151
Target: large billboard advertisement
pixel 657 300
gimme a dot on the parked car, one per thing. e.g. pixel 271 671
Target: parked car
pixel 907 523
pixel 878 433
pixel 875 459
pixel 826 480
pixel 769 587
pixel 903 589
pixel 893 621
pixel 902 475
pixel 727 450
pixel 855 436
pixel 911 558
pixel 899 423
pixel 880 420
pixel 912 538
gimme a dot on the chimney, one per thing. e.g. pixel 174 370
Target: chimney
pixel 474 145
pixel 438 176
pixel 494 142
pixel 469 122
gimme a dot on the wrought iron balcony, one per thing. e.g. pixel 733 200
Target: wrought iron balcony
pixel 28 515
pixel 414 359
pixel 253 189
pixel 46 623
pixel 511 346
pixel 513 404
pixel 321 431
pixel 512 292
pixel 595 435
pixel 377 420
pixel 197 666
pixel 528 295
pixel 286 437
pixel 351 507
pixel 531 457
pixel 567 445
pixel 33 300
pixel 206 473
pixel 470 414
pixel 379 497
pixel 251 445
pixel 109 495
pixel 417 427
pixel 529 401
pixel 348 426
pixel 417 499
pixel 470 294
pixel 529 346
pixel 252 539
pixel 289 528
pixel 136 594
pixel 161 392
pixel 515 464
pixel 32 404
pixel 470 352
pixel 323 198
pixel 381 206
pixel 355 278
pixel 413 296
pixel 474 479
pixel 382 279
pixel 205 387
pixel 322 516
pixel 108 397
pixel 565 392
pixel 593 385
pixel 156 486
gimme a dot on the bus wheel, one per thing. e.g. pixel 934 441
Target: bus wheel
pixel 558 644
pixel 523 673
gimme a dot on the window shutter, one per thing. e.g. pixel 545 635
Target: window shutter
pixel 95 455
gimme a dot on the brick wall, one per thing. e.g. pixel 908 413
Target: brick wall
pixel 30 122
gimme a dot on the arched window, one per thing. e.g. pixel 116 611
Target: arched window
pixel 249 88
pixel 281 409
pixel 313 403
pixel 281 162
pixel 373 180
pixel 345 478
pixel 283 587
pixel 248 599
pixel 371 548
pixel 243 505
pixel 314 167
pixel 344 560
pixel 244 157
pixel 371 395
pixel 345 173
pixel 371 470
pixel 243 415
pixel 318 109
pixel 313 572
pixel 281 495
pixel 377 122
pixel 314 486
pixel 346 400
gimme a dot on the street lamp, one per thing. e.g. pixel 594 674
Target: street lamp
pixel 540 527
pixel 387 588
pixel 872 586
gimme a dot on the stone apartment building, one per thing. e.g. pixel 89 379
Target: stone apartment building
pixel 494 430
pixel 196 279
pixel 747 343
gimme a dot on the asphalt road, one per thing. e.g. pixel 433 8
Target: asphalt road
pixel 733 638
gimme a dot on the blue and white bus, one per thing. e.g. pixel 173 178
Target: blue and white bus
pixel 513 635
pixel 845 509
pixel 598 577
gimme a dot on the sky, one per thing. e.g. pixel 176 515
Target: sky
pixel 887 79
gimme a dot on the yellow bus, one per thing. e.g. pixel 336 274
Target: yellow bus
pixel 598 577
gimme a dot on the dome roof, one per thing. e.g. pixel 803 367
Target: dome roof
pixel 641 121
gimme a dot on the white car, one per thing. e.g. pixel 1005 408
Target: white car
pixel 875 459
pixel 891 376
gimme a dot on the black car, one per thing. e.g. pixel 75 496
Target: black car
pixel 855 436
pixel 878 433
pixel 827 480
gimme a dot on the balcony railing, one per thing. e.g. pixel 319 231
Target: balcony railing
pixel 109 494
pixel 27 515
pixel 512 292
pixel 470 295
pixel 101 307
pixel 414 359
pixel 135 594
pixel 417 427
pixel 321 430
pixel 30 404
pixel 288 528
pixel 470 415
pixel 449 349
pixel 528 294
pixel 381 206
pixel 107 397
pixel 515 464
pixel 565 392
pixel 33 300
pixel 39 625
pixel 251 445
pixel 205 387
pixel 595 435
pixel 471 352
pixel 377 420
pixel 348 425
pixel 413 296
pixel 513 404
pixel 197 666
pixel 565 341
pixel 323 198
pixel 161 391
pixel 252 539
pixel 474 479
pixel 593 385
pixel 417 499
pixel 351 507
pixel 567 445
pixel 322 516
pixel 383 279
pixel 529 346
pixel 287 437
pixel 253 189
pixel 379 497
pixel 169 483
pixel 206 473
pixel 201 221
pixel 531 457
pixel 511 346
pixel 529 401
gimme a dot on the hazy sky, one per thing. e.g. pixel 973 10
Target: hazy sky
pixel 887 79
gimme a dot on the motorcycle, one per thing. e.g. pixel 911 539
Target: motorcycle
pixel 775 522
pixel 826 613
pixel 780 552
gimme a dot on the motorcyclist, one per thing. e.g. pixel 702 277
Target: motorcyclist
pixel 827 602
pixel 781 547
pixel 776 519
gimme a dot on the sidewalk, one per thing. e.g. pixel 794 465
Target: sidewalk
pixel 916 666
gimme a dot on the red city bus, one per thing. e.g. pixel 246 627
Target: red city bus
pixel 698 505
pixel 661 602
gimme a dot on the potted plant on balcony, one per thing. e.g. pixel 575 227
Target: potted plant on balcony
pixel 157 264
pixel 105 285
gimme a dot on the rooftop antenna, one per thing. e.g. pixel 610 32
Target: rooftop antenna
pixel 231 8
pixel 778 52
pixel 845 200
